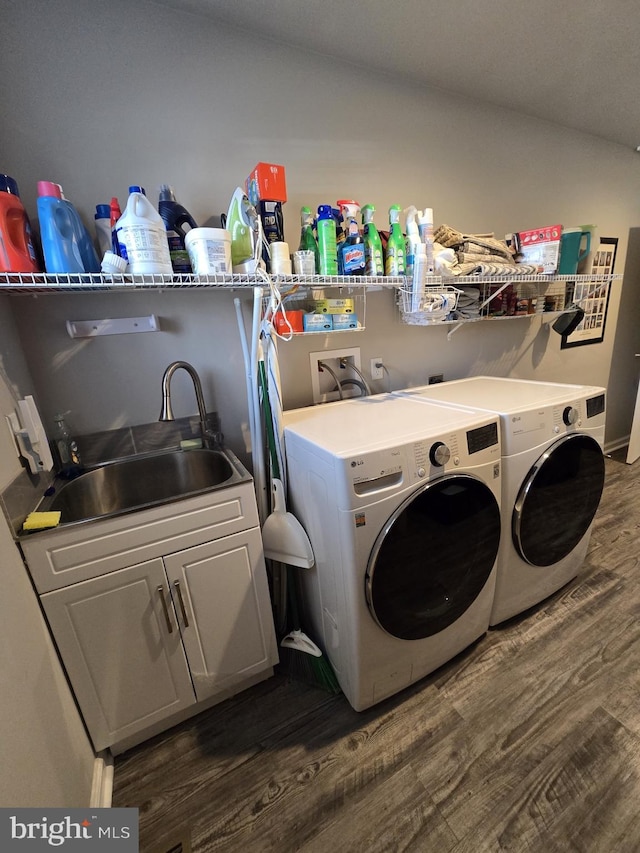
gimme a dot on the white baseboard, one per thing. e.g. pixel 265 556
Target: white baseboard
pixel 616 444
pixel 102 785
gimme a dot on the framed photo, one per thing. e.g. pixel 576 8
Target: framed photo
pixel 593 296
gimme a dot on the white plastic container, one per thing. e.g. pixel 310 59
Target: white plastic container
pixel 280 258
pixel 142 238
pixel 209 250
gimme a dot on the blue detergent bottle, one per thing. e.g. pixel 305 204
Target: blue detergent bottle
pixel 66 244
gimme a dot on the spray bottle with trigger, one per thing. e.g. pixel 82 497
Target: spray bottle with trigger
pixel 413 238
pixel 372 242
pixel 395 261
pixel 425 229
pixel 351 256
pixel 308 242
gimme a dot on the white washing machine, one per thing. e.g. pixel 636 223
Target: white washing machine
pixel 552 478
pixel 402 510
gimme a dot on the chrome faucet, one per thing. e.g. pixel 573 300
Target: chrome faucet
pixel 209 437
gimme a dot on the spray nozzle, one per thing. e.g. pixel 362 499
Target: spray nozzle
pixel 394 214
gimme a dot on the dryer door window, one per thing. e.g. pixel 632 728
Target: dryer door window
pixel 558 500
pixel 433 557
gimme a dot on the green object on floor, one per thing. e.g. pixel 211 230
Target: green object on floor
pixel 299 656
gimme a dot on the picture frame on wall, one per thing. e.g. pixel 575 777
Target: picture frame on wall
pixel 593 296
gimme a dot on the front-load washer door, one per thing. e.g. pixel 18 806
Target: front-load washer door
pixel 433 557
pixel 558 500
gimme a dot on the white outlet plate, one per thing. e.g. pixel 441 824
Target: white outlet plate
pixel 322 383
pixel 376 372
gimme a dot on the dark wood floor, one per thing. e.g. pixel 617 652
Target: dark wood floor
pixel 529 741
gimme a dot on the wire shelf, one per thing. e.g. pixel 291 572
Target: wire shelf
pixel 87 283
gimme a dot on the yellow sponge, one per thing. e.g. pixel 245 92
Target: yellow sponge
pixel 41 520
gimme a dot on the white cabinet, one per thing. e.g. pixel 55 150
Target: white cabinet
pixel 159 614
pixel 127 671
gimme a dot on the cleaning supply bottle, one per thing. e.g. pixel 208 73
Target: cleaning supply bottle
pixel 351 259
pixel 17 252
pixel 114 214
pixel 66 447
pixel 395 261
pixel 103 228
pixel 327 248
pixel 372 242
pixel 412 239
pixel 425 228
pixel 142 238
pixel 66 243
pixel 308 242
pixel 175 218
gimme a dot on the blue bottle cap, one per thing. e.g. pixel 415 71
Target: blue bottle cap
pixel 136 189
pixel 9 185
pixel 324 211
pixel 103 211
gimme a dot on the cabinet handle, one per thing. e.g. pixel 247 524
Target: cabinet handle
pixel 176 584
pixel 165 608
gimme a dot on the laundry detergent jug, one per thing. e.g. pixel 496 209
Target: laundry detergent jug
pixel 66 243
pixel 17 253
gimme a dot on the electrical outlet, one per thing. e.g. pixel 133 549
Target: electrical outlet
pixel 436 378
pixel 337 369
pixel 376 370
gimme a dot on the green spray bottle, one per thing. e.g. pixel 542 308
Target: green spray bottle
pixel 308 242
pixel 395 263
pixel 372 242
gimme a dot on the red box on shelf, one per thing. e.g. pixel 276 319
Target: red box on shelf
pixel 266 183
pixel 541 247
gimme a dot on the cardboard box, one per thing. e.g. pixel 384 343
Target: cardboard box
pixel 344 321
pixel 541 247
pixel 266 183
pixel 334 306
pixel 318 322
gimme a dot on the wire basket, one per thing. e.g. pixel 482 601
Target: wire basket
pixel 426 305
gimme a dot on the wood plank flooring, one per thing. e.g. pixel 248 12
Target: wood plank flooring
pixel 528 741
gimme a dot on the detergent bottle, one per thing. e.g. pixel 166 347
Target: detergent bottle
pixel 395 261
pixel 17 252
pixel 326 227
pixel 66 243
pixel 142 238
pixel 372 242
pixel 175 218
pixel 351 259
pixel 308 242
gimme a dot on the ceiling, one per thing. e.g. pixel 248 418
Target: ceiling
pixel 573 63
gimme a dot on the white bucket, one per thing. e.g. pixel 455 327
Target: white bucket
pixel 209 250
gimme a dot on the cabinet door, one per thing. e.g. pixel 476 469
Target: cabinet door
pixel 221 595
pixel 122 650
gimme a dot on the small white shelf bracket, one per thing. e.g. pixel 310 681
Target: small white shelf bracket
pixel 121 326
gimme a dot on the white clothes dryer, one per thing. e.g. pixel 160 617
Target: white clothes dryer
pixel 552 478
pixel 402 509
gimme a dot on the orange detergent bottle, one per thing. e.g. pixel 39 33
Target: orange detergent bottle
pixel 17 253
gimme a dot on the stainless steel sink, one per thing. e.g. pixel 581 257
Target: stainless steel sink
pixel 138 482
